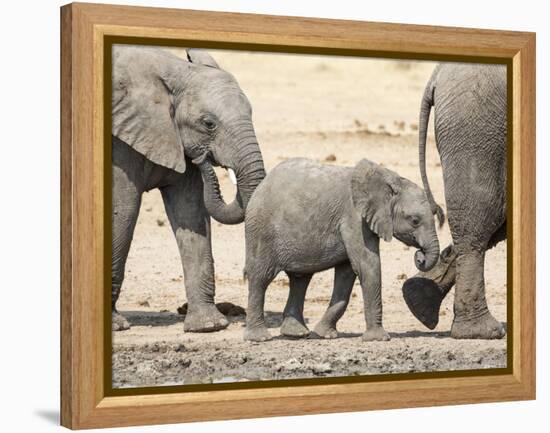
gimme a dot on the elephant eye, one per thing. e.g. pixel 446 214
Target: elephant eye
pixel 415 221
pixel 209 123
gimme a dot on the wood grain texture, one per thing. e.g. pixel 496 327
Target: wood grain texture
pixel 84 27
pixel 67 388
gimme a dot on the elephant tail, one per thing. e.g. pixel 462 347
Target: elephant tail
pixel 425 108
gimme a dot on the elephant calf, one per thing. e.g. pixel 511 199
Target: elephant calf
pixel 307 217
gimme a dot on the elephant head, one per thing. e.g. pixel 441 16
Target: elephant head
pixel 394 206
pixel 168 108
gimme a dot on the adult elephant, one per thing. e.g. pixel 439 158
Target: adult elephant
pixel 470 131
pixel 172 120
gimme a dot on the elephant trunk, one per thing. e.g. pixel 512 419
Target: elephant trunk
pixel 427 257
pixel 249 172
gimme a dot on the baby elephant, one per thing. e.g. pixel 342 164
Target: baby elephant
pixel 307 217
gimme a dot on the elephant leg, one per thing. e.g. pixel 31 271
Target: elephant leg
pixel 344 278
pixel 472 317
pixel 364 255
pixel 425 292
pixel 293 315
pixel 476 221
pixel 256 329
pixel 126 198
pixel 191 225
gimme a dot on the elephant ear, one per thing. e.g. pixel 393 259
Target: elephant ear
pixel 201 57
pixel 142 106
pixel 372 191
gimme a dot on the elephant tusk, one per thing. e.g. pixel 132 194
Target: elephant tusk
pixel 232 176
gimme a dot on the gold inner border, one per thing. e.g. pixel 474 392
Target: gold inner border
pixel 110 40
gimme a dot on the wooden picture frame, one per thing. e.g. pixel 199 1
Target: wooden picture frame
pixel 86 31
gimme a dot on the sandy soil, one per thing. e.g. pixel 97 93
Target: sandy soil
pixel 336 110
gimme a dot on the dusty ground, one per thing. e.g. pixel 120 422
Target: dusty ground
pixel 321 108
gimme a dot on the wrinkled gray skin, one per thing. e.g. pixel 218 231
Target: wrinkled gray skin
pixel 470 130
pixel 166 113
pixel 307 217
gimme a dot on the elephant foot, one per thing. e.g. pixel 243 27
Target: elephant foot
pixel 204 319
pixel 423 297
pixel 292 327
pixel 376 334
pixel 424 292
pixel 485 327
pixel 324 330
pixel 259 333
pixel 119 322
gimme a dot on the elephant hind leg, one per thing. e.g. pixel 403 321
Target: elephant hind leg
pixel 293 316
pixel 472 317
pixel 425 292
pixel 344 278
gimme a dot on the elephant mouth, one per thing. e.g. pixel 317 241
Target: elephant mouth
pixel 207 155
pixel 408 240
pixel 426 254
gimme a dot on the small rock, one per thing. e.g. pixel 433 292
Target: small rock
pixel 160 222
pixel 230 309
pixel 400 125
pixel 148 209
pixel 226 308
pixel 321 368
pixel 402 277
pixel 184 363
pixel 164 363
pixel 291 365
pixel 413 126
pixel 331 158
pixel 144 303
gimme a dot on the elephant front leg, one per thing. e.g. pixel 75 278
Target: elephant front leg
pixel 371 284
pixel 364 255
pixel 191 225
pixel 344 277
pixel 472 317
pixel 294 324
pixel 126 198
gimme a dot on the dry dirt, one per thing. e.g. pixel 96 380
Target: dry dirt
pixel 336 110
